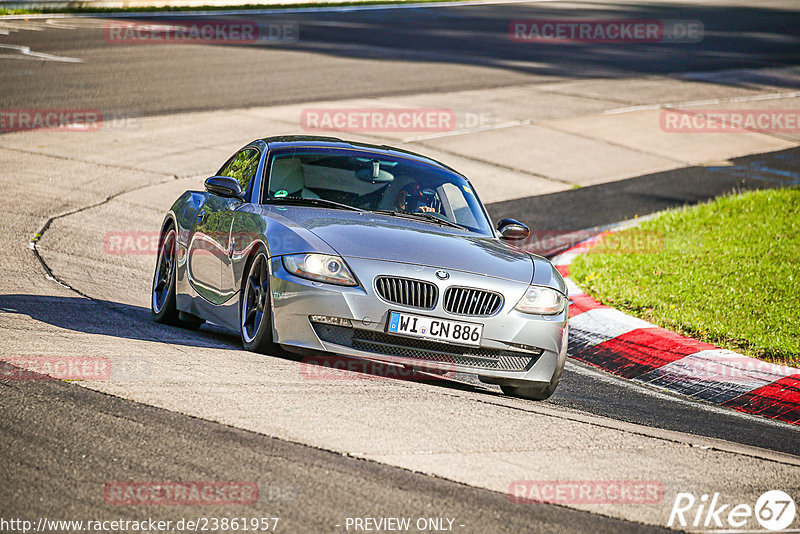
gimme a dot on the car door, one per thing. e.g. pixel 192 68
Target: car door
pixel 209 249
pixel 243 168
pixel 206 248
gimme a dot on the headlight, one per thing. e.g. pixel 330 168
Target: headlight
pixel 541 300
pixel 320 267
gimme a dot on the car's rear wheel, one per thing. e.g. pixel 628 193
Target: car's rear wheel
pixel 255 308
pixel 162 301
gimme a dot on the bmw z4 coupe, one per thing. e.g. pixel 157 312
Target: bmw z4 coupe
pixel 318 244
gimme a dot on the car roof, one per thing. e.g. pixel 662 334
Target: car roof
pixel 289 141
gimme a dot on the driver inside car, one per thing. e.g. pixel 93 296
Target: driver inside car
pixel 414 199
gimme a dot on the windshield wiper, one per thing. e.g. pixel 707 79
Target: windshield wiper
pixel 313 201
pixel 420 215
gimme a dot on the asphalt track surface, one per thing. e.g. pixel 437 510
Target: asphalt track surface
pixel 380 53
pixel 63 443
pixel 64 439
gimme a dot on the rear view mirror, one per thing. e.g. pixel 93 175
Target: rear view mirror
pixel 224 186
pixel 512 229
pixel 374 173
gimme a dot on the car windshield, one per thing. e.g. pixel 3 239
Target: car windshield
pixel 375 182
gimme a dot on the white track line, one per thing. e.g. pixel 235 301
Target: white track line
pixel 710 102
pixel 27 53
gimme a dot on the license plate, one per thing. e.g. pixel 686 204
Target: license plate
pixel 434 328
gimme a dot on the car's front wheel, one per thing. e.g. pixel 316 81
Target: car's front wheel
pixel 163 300
pixel 534 393
pixel 531 393
pixel 255 308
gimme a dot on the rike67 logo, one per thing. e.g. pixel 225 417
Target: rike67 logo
pixel 774 511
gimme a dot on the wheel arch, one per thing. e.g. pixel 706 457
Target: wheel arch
pixel 257 247
pixel 169 218
pixel 249 255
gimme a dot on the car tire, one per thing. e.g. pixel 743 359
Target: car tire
pixel 530 393
pixel 537 393
pixel 162 298
pixel 255 306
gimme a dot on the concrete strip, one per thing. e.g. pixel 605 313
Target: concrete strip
pixel 649 90
pixel 37 187
pixel 549 153
pixel 534 155
pixel 522 102
pixel 643 131
pixel 200 142
pixel 786 109
pixel 590 463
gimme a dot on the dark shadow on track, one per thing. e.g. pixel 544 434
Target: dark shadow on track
pixel 558 214
pixel 110 319
pixel 733 37
pixel 101 317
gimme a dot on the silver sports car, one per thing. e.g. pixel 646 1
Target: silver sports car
pixel 318 244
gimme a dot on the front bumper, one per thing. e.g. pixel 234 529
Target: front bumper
pixel 295 299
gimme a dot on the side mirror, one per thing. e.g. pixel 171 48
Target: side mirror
pixel 224 186
pixel 512 229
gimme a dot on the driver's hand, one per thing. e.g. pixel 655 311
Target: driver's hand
pixel 426 209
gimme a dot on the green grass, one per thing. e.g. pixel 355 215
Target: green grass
pixel 77 8
pixel 726 272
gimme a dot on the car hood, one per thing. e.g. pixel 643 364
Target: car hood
pixel 386 238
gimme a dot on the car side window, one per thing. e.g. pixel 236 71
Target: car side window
pixel 242 167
